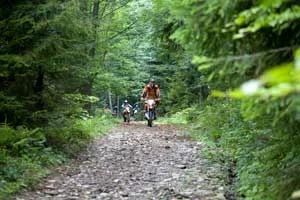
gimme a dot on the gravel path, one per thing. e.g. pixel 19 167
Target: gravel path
pixel 136 162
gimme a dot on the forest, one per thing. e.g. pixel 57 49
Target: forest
pixel 229 69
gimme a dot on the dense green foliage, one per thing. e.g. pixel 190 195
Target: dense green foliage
pixel 26 155
pixel 233 43
pixel 60 60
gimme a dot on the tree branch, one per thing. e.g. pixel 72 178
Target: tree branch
pixel 123 31
pixel 114 10
pixel 254 55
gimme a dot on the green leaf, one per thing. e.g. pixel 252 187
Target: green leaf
pixel 201 59
pixel 297 59
pixel 204 62
pixel 240 20
pixel 296 194
pixel 204 66
pixel 280 74
pixel 237 94
pixel 217 93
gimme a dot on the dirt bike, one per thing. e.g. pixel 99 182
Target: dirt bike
pixel 126 114
pixel 135 110
pixel 115 111
pixel 150 111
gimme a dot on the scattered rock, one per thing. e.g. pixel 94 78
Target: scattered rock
pixel 181 166
pixel 136 162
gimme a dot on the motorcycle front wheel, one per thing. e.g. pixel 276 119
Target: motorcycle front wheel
pixel 150 122
pixel 150 118
pixel 127 117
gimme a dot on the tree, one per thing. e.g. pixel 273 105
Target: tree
pixel 233 42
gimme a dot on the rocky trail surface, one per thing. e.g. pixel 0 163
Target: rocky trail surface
pixel 135 162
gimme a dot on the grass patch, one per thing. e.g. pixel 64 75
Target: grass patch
pixel 177 118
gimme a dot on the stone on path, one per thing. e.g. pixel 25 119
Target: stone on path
pixel 139 163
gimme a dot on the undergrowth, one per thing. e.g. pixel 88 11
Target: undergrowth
pixel 27 155
pixel 264 153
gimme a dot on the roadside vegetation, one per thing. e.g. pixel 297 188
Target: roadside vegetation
pixel 27 155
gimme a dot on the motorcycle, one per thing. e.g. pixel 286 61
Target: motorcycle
pixel 115 111
pixel 150 111
pixel 135 110
pixel 126 114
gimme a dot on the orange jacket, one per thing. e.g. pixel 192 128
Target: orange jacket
pixel 151 93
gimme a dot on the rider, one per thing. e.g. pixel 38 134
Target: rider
pixel 135 108
pixel 151 91
pixel 124 105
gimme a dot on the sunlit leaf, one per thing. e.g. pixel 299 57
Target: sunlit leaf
pixel 217 93
pixel 296 194
pixel 240 20
pixel 297 59
pixel 238 36
pixel 280 90
pixel 211 76
pixel 272 3
pixel 204 66
pixel 251 87
pixel 201 59
pixel 236 94
pixel 280 74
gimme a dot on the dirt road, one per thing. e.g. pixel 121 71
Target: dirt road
pixel 136 162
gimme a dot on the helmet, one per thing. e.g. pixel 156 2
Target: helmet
pixel 152 80
pixel 125 101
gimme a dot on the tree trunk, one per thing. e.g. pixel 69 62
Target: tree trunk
pixel 39 84
pixel 96 9
pixel 118 103
pixel 109 100
pixel 89 85
pixel 39 87
pixel 95 18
